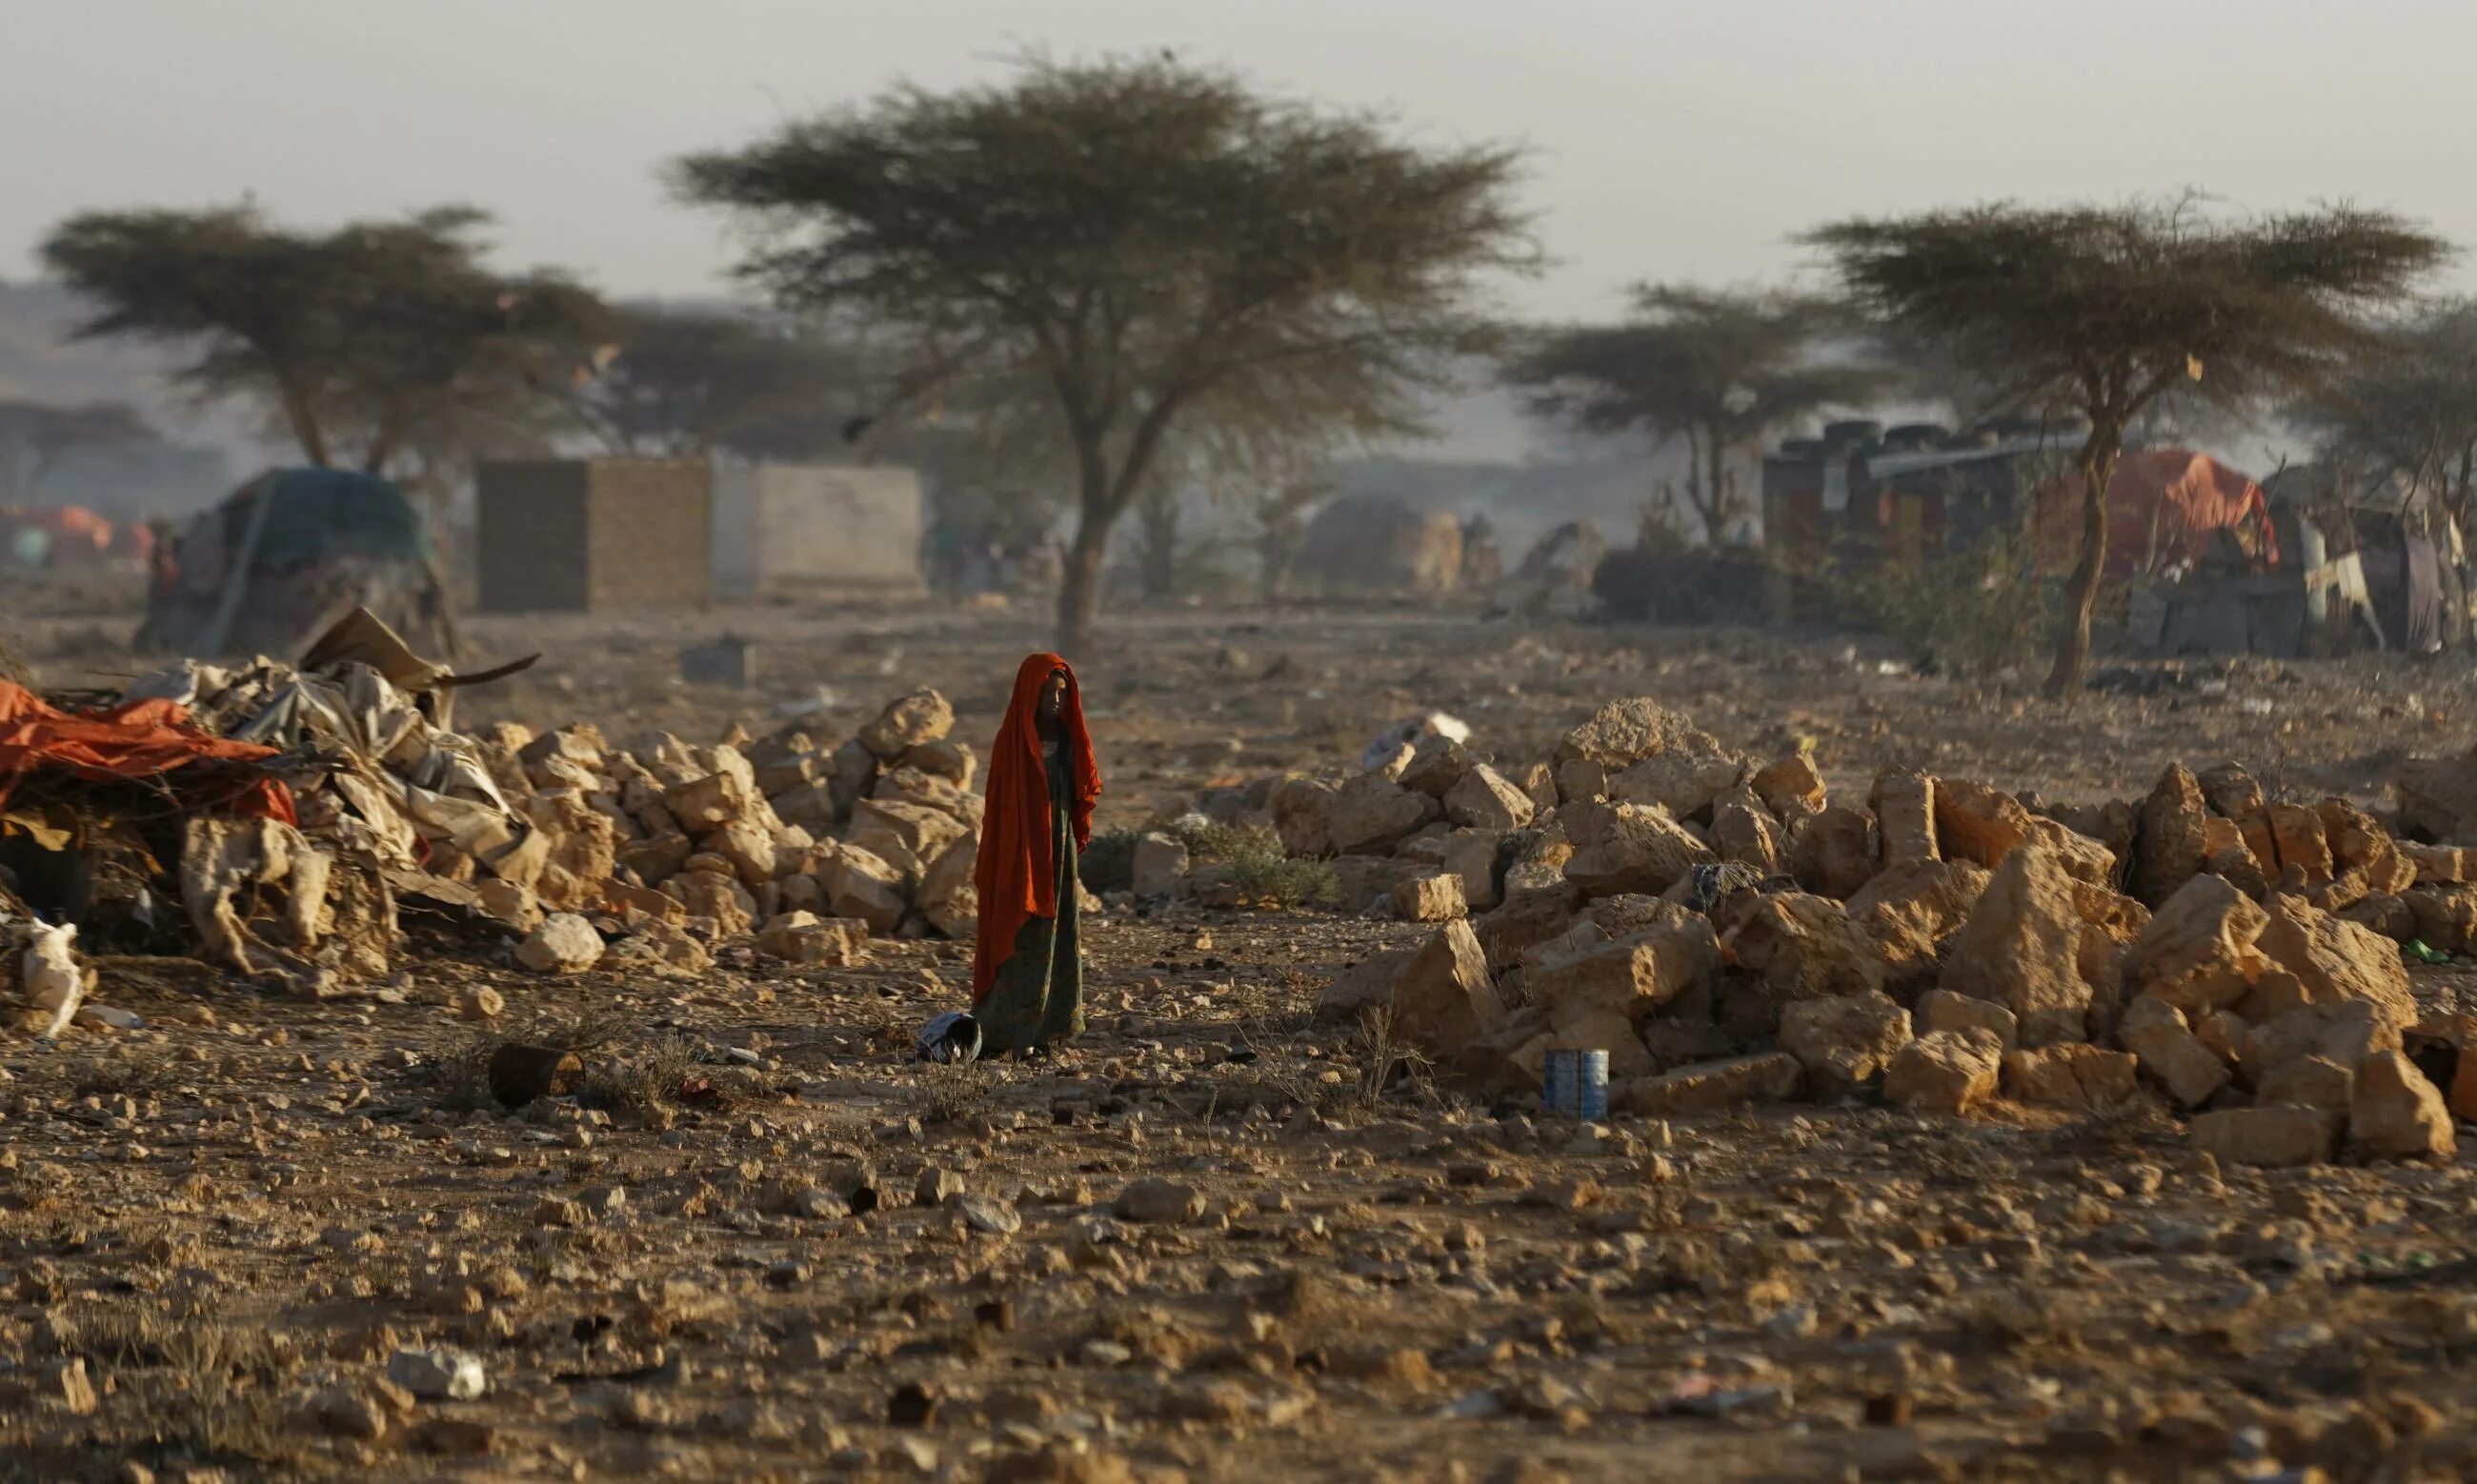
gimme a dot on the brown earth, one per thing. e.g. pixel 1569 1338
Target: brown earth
pixel 216 1231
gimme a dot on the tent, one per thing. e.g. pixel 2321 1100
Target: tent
pixel 2166 507
pixel 288 553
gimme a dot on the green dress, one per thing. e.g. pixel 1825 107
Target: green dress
pixel 1038 997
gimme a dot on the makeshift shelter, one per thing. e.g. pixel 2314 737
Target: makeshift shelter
pixel 2166 509
pixel 286 556
pixel 780 526
pixel 1380 543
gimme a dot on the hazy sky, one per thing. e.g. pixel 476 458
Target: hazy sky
pixel 1673 140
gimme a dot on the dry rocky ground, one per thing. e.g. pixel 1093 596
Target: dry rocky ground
pixel 273 1238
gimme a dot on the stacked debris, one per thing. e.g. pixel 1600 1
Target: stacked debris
pixel 1727 933
pixel 292 809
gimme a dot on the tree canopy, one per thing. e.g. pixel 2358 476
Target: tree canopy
pixel 1136 237
pixel 371 344
pixel 2410 409
pixel 688 381
pixel 2105 309
pixel 1716 368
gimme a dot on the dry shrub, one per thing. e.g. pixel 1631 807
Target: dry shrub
pixel 1974 612
pixel 640 1081
pixel 949 1093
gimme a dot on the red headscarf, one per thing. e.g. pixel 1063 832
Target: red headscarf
pixel 1014 870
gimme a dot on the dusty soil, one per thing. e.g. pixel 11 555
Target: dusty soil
pixel 216 1233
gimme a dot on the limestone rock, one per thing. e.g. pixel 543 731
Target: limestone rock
pixel 1715 1086
pixel 563 943
pixel 2448 865
pixel 1159 866
pixel 1524 921
pixel 2082 1077
pixel 1976 823
pixel 1911 908
pixel 1624 733
pixel 2447 919
pixel 1436 765
pixel 1905 815
pixel 1940 1010
pixel 727 791
pixel 950 898
pixel 862 888
pixel 2022 948
pixel 947 758
pixel 1471 855
pixel 1684 784
pixel 1367 879
pixel 2345 1034
pixel 2169 845
pixel 1844 1041
pixel 1484 798
pixel 1365 986
pixel 2397 1113
pixel 2168 1051
pixel 1369 815
pixel 888 829
pixel 1302 809
pixel 851 771
pixel 908 721
pixel 2358 843
pixel 1444 1000
pixel 1743 830
pixel 1832 854
pixel 1804 946
pixel 803 938
pixel 1627 977
pixel 1947 1072
pixel 717 897
pixel 748 847
pixel 2297 832
pixel 2199 953
pixel 1789 784
pixel 1538 783
pixel 2275 1137
pixel 2234 794
pixel 1432 897
pixel 1619 848
pixel 2309 1083
pixel 2337 960
pixel 505 902
pixel 1158 1203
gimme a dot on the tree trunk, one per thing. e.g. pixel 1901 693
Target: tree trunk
pixel 1717 518
pixel 1159 556
pixel 305 426
pixel 2081 595
pixel 1079 594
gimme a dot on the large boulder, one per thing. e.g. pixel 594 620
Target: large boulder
pixel 1911 908
pixel 1743 830
pixel 1947 1072
pixel 2360 843
pixel 1444 1000
pixel 1684 784
pixel 949 897
pixel 2170 1053
pixel 2397 1113
pixel 2022 948
pixel 911 720
pixel 2079 1077
pixel 1594 994
pixel 1524 921
pixel 1940 1010
pixel 2335 960
pixel 1790 787
pixel 1976 823
pixel 1620 848
pixel 1904 806
pixel 1302 809
pixel 1371 815
pixel 1832 854
pixel 1436 765
pixel 726 791
pixel 1484 798
pixel 2437 798
pixel 1430 897
pixel 2304 846
pixel 1803 946
pixel 1624 733
pixel 2199 953
pixel 862 886
pixel 1844 1041
pixel 2277 1137
pixel 2170 841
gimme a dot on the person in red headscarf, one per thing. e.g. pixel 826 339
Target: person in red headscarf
pixel 1026 964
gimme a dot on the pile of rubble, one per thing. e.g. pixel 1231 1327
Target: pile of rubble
pixel 647 853
pixel 1727 933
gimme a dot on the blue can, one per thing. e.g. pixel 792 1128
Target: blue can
pixel 1575 1084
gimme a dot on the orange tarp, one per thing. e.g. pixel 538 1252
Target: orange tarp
pixel 2189 496
pixel 137 740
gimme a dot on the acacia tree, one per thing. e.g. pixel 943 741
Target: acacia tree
pixel 2105 309
pixel 687 381
pixel 36 436
pixel 372 343
pixel 2409 411
pixel 1138 237
pixel 1718 369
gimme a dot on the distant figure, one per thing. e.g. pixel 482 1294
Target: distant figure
pixel 1028 963
pixel 1483 564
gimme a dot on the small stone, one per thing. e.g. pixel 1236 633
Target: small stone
pixel 481 1003
pixel 438 1375
pixel 67 1384
pixel 2397 1113
pixel 1946 1072
pixel 1158 1203
pixel 563 943
pixel 937 1186
pixel 986 1215
pixel 348 1413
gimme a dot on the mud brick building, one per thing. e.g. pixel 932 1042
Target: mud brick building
pixel 595 534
